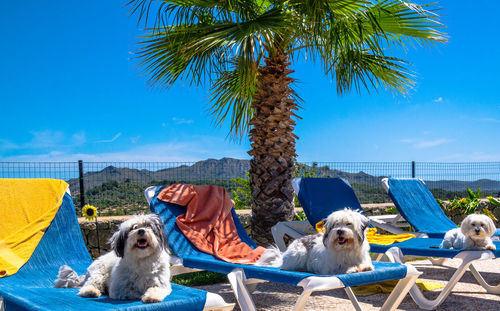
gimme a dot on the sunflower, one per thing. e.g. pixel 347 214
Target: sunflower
pixel 89 212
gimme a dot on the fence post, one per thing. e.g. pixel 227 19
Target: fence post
pixel 80 181
pixel 412 169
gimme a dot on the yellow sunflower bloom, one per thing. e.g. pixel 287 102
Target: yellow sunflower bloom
pixel 89 212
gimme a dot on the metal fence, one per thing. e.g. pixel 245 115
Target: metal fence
pixel 116 187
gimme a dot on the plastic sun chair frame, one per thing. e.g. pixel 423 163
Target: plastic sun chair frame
pixel 296 229
pixel 398 253
pixel 213 302
pixel 243 287
pixel 390 226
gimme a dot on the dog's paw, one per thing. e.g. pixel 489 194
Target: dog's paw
pixel 155 294
pixel 360 268
pixel 365 267
pixel 352 270
pixel 89 291
pixel 491 247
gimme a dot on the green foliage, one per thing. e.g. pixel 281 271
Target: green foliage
pixel 300 216
pixel 199 278
pixel 303 170
pixel 493 201
pixel 450 195
pixel 242 196
pixel 392 210
pixel 114 198
pixel 468 205
pixel 370 194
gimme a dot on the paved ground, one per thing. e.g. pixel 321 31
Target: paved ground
pixel 467 295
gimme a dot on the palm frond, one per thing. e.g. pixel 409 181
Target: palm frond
pixel 232 93
pixel 356 68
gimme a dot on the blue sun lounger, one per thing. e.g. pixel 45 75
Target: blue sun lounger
pixel 418 207
pixel 242 275
pixel 321 196
pixel 32 287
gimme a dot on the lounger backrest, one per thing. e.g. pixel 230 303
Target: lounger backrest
pixel 418 206
pixel 178 243
pixel 320 197
pixel 61 244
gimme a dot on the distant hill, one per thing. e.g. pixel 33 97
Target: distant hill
pixel 453 185
pixel 211 169
pixel 228 168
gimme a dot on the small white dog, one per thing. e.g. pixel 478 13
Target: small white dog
pixel 138 267
pixel 474 233
pixel 341 247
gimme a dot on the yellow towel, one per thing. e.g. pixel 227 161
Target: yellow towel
pixel 388 286
pixel 27 207
pixel 386 239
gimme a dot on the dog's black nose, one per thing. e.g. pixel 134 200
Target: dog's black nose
pixel 340 231
pixel 141 232
pixel 477 230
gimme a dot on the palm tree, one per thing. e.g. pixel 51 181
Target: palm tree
pixel 242 49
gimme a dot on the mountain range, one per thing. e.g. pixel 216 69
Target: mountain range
pixel 228 168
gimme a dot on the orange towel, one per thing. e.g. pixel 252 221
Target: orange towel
pixel 208 223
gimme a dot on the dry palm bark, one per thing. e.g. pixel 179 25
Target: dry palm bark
pixel 273 148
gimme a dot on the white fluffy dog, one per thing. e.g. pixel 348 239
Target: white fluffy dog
pixel 474 233
pixel 138 267
pixel 341 247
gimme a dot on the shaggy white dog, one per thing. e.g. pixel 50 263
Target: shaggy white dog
pixel 341 247
pixel 137 268
pixel 474 233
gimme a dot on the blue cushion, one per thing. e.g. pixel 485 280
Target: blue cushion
pixel 320 197
pixel 425 247
pixel 418 206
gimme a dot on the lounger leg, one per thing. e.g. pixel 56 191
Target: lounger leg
pixel 353 298
pixel 237 280
pixel 394 254
pixel 1 304
pixel 438 261
pixel 399 292
pixel 489 288
pixel 301 301
pixel 377 257
pixel 466 257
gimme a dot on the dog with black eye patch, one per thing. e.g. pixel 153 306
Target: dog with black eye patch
pixel 138 267
pixel 340 248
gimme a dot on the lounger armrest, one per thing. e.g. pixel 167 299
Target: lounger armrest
pixel 385 184
pixel 216 302
pixel 149 193
pixel 177 266
pixel 294 229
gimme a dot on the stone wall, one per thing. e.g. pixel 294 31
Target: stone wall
pixel 108 225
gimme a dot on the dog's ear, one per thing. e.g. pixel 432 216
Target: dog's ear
pixel 365 222
pixel 117 242
pixel 325 228
pixel 464 225
pixel 157 226
pixel 490 226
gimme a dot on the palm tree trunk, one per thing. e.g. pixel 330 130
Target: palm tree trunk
pixel 273 148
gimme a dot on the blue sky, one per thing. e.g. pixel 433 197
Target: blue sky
pixel 70 90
